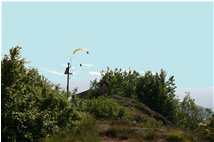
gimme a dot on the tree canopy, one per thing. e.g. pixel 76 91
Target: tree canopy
pixel 32 107
pixel 156 91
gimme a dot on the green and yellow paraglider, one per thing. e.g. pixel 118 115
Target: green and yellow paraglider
pixel 67 70
pixel 80 49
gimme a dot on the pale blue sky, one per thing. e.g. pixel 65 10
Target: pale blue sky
pixel 176 36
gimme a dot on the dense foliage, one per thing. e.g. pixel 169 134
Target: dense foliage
pixel 32 107
pixel 207 129
pixel 155 91
pixel 85 131
pixel 195 118
pixel 106 108
pixel 158 93
pixel 190 115
pixel 122 83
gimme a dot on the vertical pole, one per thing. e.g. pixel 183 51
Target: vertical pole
pixel 68 78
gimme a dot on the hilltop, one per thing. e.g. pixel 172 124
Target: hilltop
pixel 142 124
pixel 123 106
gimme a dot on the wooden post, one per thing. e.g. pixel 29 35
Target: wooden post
pixel 67 71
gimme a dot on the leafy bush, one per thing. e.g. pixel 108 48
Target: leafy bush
pixel 174 136
pixel 207 129
pixel 155 91
pixel 158 93
pixel 190 115
pixel 84 131
pixel 122 83
pixel 106 108
pixel 32 107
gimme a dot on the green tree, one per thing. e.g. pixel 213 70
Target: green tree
pixel 122 83
pixel 155 91
pixel 206 129
pixel 190 115
pixel 158 93
pixel 32 107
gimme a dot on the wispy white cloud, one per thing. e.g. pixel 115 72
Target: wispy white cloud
pixel 53 72
pixel 87 65
pixel 74 73
pixel 64 65
pixel 94 73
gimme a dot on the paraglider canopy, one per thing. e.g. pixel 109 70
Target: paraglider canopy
pixel 80 49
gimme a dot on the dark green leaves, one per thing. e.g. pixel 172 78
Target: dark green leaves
pixel 32 107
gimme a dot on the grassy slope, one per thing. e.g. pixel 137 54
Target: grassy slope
pixel 144 125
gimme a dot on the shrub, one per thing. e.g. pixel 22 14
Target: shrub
pixel 207 129
pixel 174 136
pixel 106 108
pixel 32 107
pixel 85 131
pixel 156 91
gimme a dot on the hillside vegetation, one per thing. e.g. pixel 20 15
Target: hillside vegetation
pixel 134 107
